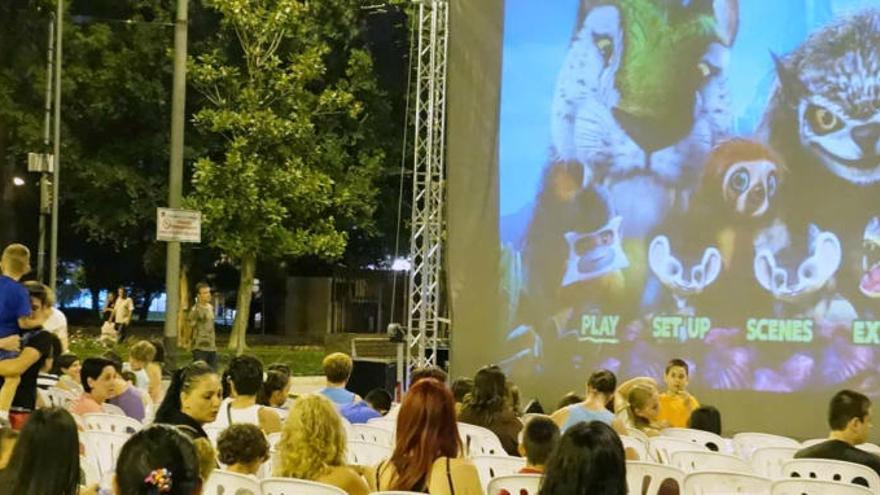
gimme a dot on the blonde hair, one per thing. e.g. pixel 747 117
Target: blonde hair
pixel 143 351
pixel 312 440
pixel 16 260
pixel 638 398
pixel 337 367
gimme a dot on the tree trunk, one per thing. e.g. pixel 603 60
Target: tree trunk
pixel 243 304
pixel 184 332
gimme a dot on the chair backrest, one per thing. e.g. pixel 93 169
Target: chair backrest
pixel 291 486
pixel 828 470
pixel 746 443
pixel 58 397
pixel 113 423
pixel 690 461
pixel 812 441
pixel 647 477
pixel 479 441
pixel 384 423
pixel 370 433
pixel 397 493
pixel 102 448
pixel 213 433
pixel 89 470
pixel 225 483
pixel 869 447
pixel 638 446
pixel 661 448
pixel 726 483
pixel 699 437
pixel 492 466
pixel 635 432
pixel 816 487
pixel 366 453
pixel 768 461
pixel 518 484
pixel 273 439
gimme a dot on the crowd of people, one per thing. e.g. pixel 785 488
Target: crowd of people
pixel 577 448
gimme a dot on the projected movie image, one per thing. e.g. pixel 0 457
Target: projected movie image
pixel 697 179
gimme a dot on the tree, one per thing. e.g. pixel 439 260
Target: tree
pixel 290 97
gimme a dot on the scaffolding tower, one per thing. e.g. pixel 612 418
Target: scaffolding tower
pixel 426 327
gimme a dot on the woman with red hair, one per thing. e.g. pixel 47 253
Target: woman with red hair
pixel 426 453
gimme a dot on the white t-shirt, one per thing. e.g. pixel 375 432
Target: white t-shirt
pixel 57 324
pixel 122 310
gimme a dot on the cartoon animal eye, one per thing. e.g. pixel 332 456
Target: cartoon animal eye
pixel 822 120
pixel 707 70
pixel 605 46
pixel 739 181
pixel 772 184
pixel 605 238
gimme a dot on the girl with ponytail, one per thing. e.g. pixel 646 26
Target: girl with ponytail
pixel 192 400
pixel 159 460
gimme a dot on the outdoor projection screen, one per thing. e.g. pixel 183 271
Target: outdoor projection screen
pixel 636 180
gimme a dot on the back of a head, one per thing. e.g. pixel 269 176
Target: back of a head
pixel 706 418
pixel 461 387
pixel 312 438
pixel 156 457
pixel 92 369
pixel 427 372
pixel 569 399
pixel 246 373
pixel 35 469
pixel 63 362
pixel 242 443
pixel 539 437
pixel 275 381
pixel 379 399
pixel 603 381
pixel 845 406
pixel 143 351
pixel 16 260
pixel 337 367
pixel 589 460
pixel 490 390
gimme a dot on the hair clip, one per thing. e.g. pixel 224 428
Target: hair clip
pixel 160 478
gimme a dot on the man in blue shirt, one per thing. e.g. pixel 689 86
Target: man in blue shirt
pixel 375 405
pixel 337 370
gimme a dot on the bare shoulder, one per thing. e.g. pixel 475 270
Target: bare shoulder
pixel 347 479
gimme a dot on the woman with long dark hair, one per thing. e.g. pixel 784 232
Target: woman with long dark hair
pixel 158 460
pixel 488 406
pixel 192 400
pixel 46 457
pixel 589 460
pixel 427 447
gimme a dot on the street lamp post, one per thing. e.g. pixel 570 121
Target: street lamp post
pixel 56 147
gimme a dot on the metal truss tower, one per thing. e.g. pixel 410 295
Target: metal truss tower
pixel 429 190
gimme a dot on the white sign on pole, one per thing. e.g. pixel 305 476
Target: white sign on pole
pixel 174 225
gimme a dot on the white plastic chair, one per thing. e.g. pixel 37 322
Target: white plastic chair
pixel 812 441
pixel 828 470
pixel 525 484
pixel 636 433
pixel 112 423
pixel 869 447
pixel 89 470
pixel 273 439
pixel 816 487
pixel 370 433
pixel 691 461
pixel 646 477
pixel 725 483
pixel 662 448
pixel 746 443
pixel 57 397
pixel 479 441
pixel 397 493
pixel 223 482
pixel 213 433
pixel 638 446
pixel 768 461
pixel 366 453
pixel 703 438
pixel 102 448
pixel 492 466
pixel 291 486
pixel 384 423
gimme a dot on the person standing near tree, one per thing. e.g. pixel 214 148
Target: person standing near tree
pixel 201 320
pixel 122 311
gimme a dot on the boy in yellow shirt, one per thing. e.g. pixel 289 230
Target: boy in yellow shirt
pixel 676 404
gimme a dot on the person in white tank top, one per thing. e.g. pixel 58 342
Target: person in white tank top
pixel 244 379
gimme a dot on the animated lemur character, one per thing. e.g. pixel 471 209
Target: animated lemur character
pixel 824 117
pixel 799 275
pixel 737 198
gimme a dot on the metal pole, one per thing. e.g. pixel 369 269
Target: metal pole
pixel 47 129
pixel 56 147
pixel 175 182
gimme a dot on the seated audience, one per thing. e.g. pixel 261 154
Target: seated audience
pixel 274 390
pixel 99 382
pixel 243 449
pixel 706 418
pixel 133 401
pixel 284 370
pixel 600 391
pixel 676 404
pixel 375 405
pixel 569 399
pixel 588 461
pixel 427 449
pixel 461 387
pixel 540 436
pixel 488 406
pixel 513 398
pixel 67 367
pixel 643 410
pixel 158 460
pixel 337 370
pixel 142 360
pixel 245 379
pixel 849 417
pixel 192 399
pixel 313 446
pixel 415 376
pixel 621 396
pixel 46 379
pixel 46 457
pixel 56 323
pixel 8 439
pixel 380 400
